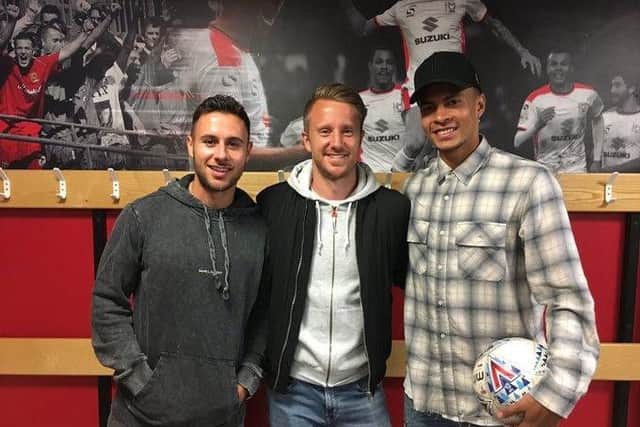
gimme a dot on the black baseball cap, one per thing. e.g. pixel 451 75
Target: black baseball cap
pixel 445 67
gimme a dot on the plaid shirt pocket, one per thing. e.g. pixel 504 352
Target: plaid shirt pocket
pixel 417 242
pixel 481 250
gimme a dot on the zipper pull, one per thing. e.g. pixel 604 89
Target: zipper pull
pixel 334 215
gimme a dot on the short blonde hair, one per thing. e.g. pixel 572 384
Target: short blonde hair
pixel 335 92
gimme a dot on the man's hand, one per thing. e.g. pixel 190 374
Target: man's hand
pixel 34 6
pixel 545 116
pixel 114 9
pixel 88 25
pixel 13 12
pixel 527 60
pixel 243 393
pixel 414 138
pixel 168 57
pixel 534 414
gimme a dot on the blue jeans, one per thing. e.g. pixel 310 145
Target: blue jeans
pixel 305 404
pixel 414 418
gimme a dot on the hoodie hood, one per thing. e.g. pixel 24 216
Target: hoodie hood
pixel 300 181
pixel 179 190
pixel 242 205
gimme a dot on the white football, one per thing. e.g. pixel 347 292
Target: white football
pixel 506 371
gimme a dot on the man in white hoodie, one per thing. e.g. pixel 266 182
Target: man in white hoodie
pixel 337 245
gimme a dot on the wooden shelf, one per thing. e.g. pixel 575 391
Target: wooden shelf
pixel 74 356
pixel 92 189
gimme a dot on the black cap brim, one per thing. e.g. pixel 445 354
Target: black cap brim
pixel 457 83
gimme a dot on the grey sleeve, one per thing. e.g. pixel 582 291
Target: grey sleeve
pixel 118 275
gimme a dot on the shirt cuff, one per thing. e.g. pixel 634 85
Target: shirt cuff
pixel 136 378
pixel 249 378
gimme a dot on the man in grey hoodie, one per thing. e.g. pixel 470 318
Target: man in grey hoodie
pixel 186 351
pixel 338 244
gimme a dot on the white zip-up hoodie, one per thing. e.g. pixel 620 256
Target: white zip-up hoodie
pixel 331 350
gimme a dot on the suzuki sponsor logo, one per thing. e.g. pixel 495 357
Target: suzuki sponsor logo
pixel 431 38
pixel 382 126
pixel 383 138
pixel 430 24
pixel 616 155
pixel 560 138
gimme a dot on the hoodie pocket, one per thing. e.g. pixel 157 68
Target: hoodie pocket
pixel 187 389
pixel 481 250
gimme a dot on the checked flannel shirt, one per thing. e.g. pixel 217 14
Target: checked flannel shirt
pixel 490 248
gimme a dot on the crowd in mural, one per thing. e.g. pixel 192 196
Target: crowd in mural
pixel 129 74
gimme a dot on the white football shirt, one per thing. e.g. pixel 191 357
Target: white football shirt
pixel 621 138
pixel 560 144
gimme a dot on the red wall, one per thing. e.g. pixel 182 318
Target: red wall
pixel 46 274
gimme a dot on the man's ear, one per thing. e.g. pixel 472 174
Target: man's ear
pixel 190 146
pixel 305 141
pixel 481 104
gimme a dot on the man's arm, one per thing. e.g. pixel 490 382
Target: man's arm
pixel 523 135
pixel 6 29
pixel 597 133
pixel 361 25
pixel 531 121
pixel 414 146
pixel 275 158
pixel 86 40
pixel 112 334
pixel 557 281
pixel 501 32
pixel 251 371
pixel 29 18
pixel 127 44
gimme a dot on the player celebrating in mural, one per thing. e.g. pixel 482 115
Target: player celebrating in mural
pixel 621 149
pixel 433 26
pixel 384 126
pixel 23 90
pixel 216 60
pixel 557 118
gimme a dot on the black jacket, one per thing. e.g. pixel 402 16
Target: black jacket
pixel 381 229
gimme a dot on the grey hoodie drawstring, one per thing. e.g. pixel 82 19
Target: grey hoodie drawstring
pixel 346 228
pixel 212 254
pixel 319 227
pixel 225 248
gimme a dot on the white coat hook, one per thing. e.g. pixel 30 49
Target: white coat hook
pixel 280 175
pixel 608 188
pixel 115 185
pixel 6 185
pixel 62 184
pixel 167 176
pixel 388 177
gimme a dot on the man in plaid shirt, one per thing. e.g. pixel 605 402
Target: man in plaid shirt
pixel 492 255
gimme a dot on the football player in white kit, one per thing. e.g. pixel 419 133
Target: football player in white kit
pixel 215 61
pixel 430 26
pixel 621 148
pixel 557 118
pixel 386 103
